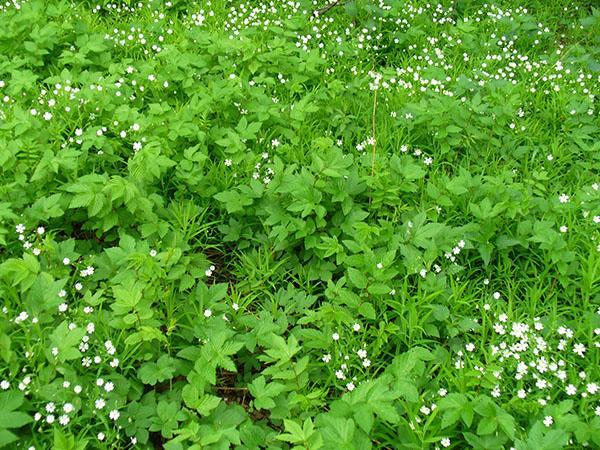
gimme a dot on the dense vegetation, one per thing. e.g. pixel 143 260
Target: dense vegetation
pixel 368 224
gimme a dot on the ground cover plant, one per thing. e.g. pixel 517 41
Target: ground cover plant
pixel 293 224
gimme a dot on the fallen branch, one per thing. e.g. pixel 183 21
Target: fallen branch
pixel 325 9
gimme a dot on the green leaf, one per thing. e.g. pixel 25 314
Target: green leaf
pixel 357 278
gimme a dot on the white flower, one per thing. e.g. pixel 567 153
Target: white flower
pixel 101 436
pixel 114 414
pixel 335 337
pixel 50 418
pixel 4 385
pixel 20 228
pixel 207 313
pixel 496 295
pixel 100 403
pixel 350 386
pixel 592 388
pixel 50 407
pixel 108 387
pixel 68 407
pixel 579 349
pixel 496 391
pixel 362 353
pixel 340 375
pixel 41 230
pixel 137 146
pixel 445 442
pixel 64 419
pixel 356 327
pixel 548 420
pixel 77 389
pixel 571 390
pixel 563 229
pixel 62 307
pixel 563 198
pixel 326 358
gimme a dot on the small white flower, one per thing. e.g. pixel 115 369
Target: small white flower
pixel 66 261
pixel 114 414
pixel 100 403
pixel 326 358
pixel 356 327
pixel 335 337
pixel 579 349
pixel 207 313
pixel 563 198
pixel 445 442
pixel 101 436
pixel 68 408
pixel 153 253
pixel 548 420
pixel 350 386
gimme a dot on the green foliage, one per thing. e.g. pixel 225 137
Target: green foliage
pixel 298 225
